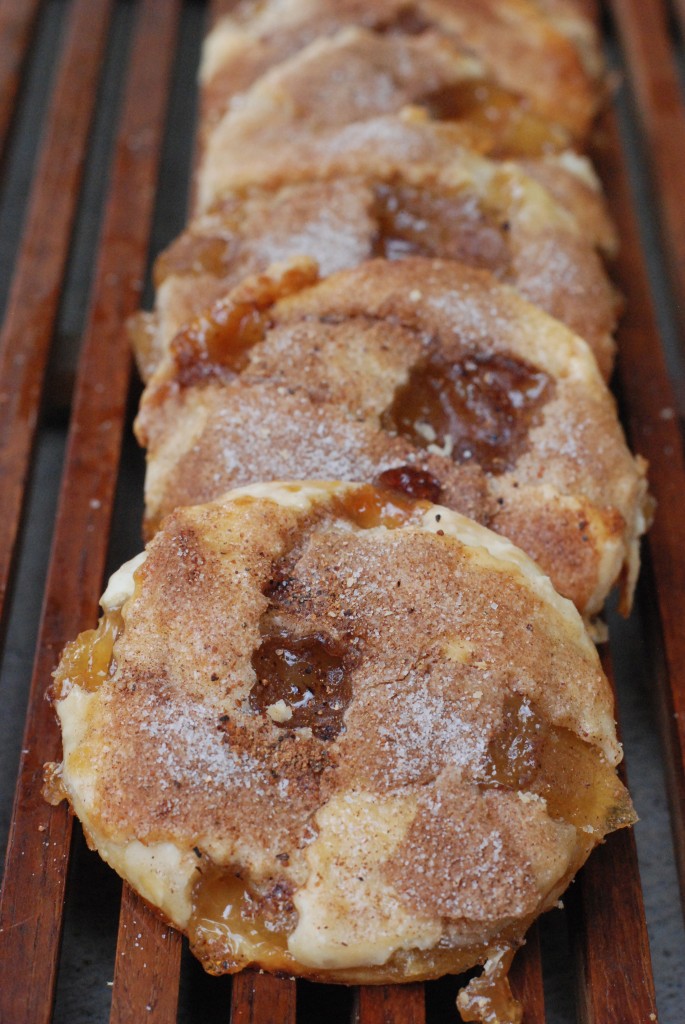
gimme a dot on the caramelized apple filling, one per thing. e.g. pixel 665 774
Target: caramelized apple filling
pixel 508 124
pixel 228 925
pixel 369 507
pixel 513 756
pixel 88 660
pixel 480 408
pixel 578 784
pixel 218 343
pixel 422 221
pixel 301 680
pixel 414 483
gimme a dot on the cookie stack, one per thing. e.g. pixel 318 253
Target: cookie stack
pixel 342 719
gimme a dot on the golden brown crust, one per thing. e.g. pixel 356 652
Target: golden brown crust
pixel 313 395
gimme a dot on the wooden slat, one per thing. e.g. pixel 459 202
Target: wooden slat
pixel 643 30
pixel 526 981
pixel 37 854
pixel 390 1004
pixel 150 993
pixel 262 999
pixel 41 264
pixel 614 979
pixel 615 976
pixel 17 24
pixel 149 951
pixel 654 432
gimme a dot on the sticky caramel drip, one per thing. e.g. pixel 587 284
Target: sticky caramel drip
pixel 579 785
pixel 507 124
pixel 488 999
pixel 88 660
pixel 479 408
pixel 53 790
pixel 227 929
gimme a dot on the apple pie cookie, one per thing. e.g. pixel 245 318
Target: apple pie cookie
pixel 351 78
pixel 425 365
pixel 487 214
pixel 338 733
pixel 550 59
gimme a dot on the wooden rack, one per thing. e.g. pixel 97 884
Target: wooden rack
pixel 150 977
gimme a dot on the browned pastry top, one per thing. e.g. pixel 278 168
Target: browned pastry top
pixel 420 362
pixel 365 723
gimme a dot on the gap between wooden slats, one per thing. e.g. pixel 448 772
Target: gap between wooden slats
pixel 17 23
pixel 614 979
pixel 644 34
pixel 41 264
pixel 654 433
pixel 680 14
pixel 38 850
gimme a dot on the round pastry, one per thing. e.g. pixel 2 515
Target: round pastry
pixel 551 58
pixel 418 363
pixel 338 733
pixel 487 214
pixel 353 77
pixel 390 144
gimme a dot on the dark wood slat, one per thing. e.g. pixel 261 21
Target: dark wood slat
pixel 41 264
pixel 654 432
pixel 614 979
pixel 525 977
pixel 149 951
pixel 37 855
pixel 643 30
pixel 145 981
pixel 615 974
pixel 17 24
pixel 262 999
pixel 390 1004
